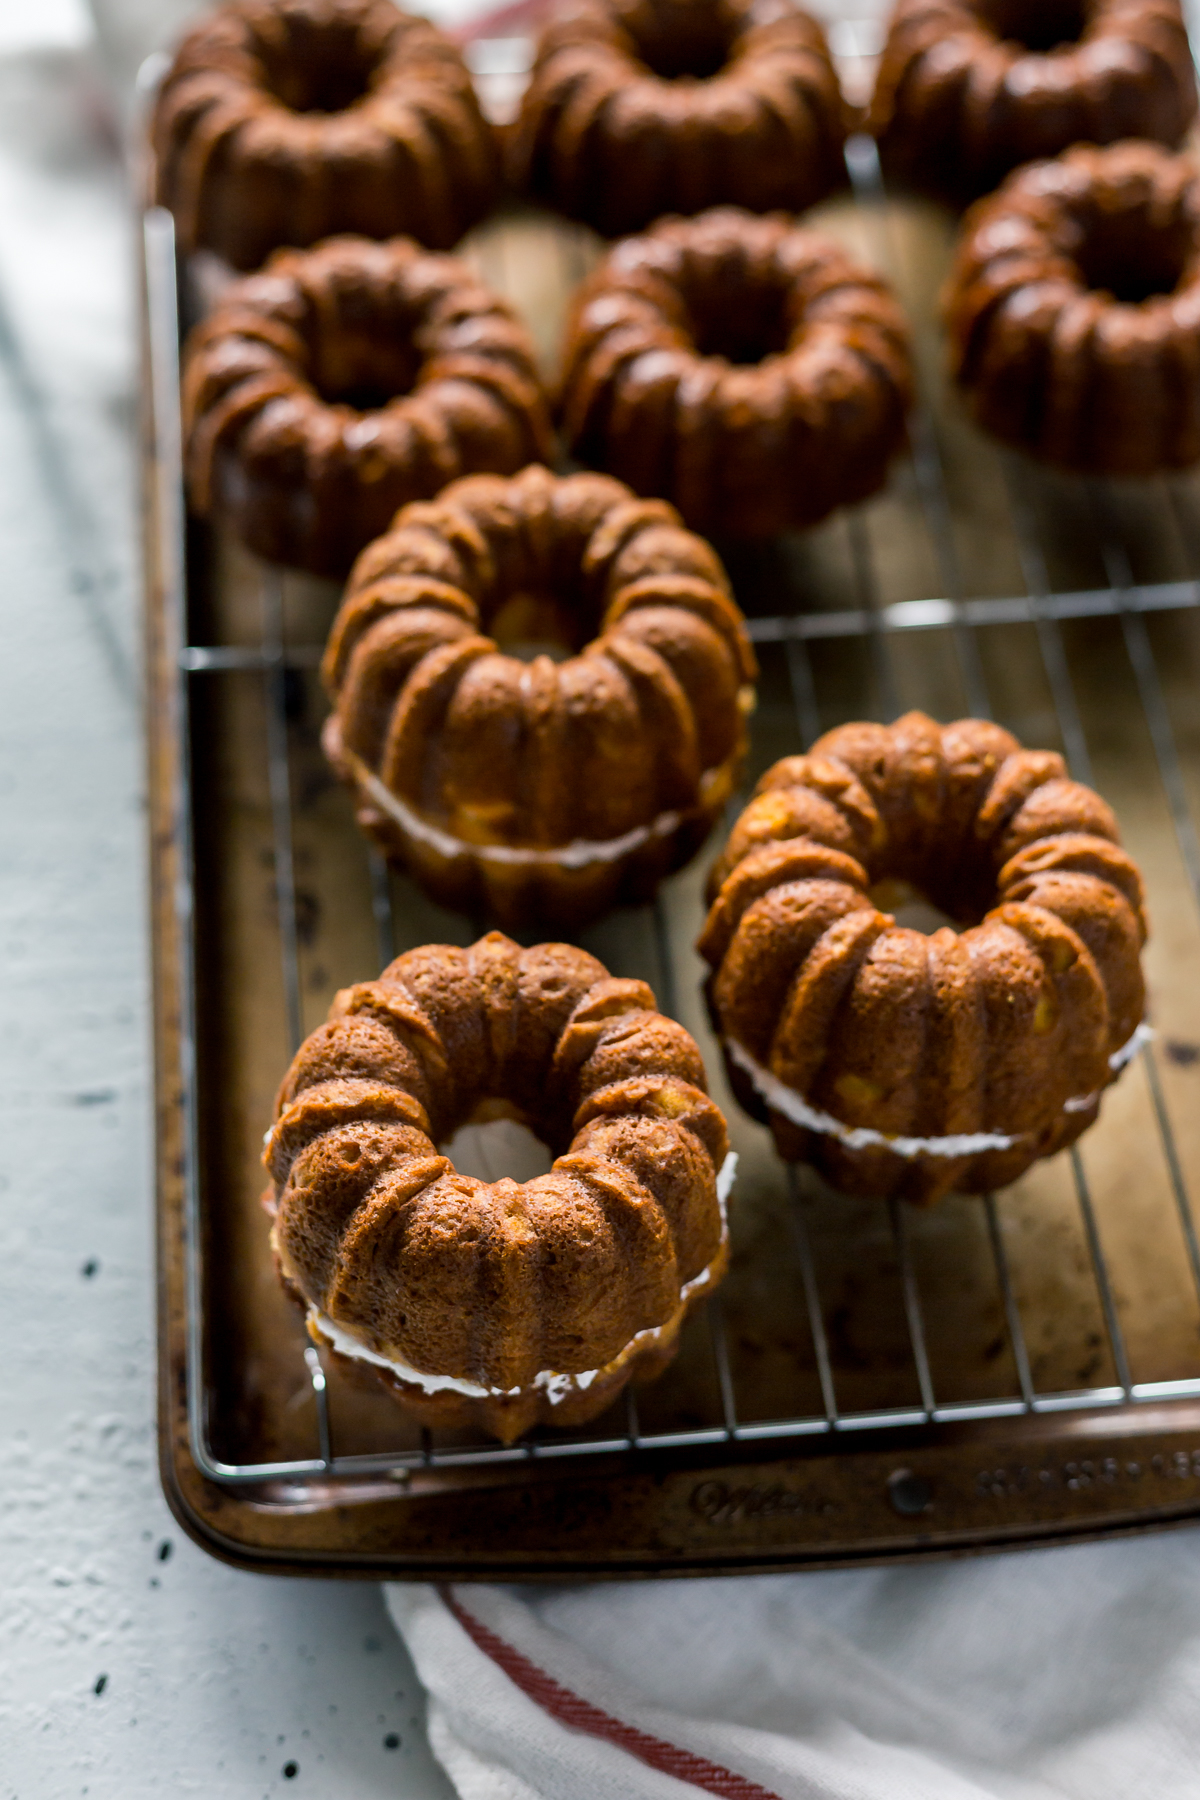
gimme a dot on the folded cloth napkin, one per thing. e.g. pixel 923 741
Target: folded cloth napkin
pixel 1071 1672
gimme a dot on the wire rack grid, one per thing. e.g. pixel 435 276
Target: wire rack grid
pixel 879 627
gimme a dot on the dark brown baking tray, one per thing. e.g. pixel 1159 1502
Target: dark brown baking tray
pixel 872 1382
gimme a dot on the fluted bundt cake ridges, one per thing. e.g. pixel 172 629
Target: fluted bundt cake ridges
pixel 750 372
pixel 898 1063
pixel 541 789
pixel 1073 310
pixel 286 121
pixel 969 89
pixel 499 1304
pixel 642 107
pixel 344 381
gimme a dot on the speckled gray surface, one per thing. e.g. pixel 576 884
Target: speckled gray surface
pixel 131 1665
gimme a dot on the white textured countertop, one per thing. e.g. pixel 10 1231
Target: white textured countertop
pixel 131 1664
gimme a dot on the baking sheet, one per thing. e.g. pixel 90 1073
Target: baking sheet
pixel 839 1319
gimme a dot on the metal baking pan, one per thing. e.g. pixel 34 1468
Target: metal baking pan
pixel 872 1382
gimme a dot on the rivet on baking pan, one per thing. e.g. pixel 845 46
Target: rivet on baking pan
pixel 909 1494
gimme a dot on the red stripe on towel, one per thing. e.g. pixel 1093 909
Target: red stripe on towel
pixel 570 1709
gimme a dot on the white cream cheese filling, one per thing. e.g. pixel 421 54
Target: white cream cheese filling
pixel 557 1387
pixel 577 855
pixel 1129 1049
pixel 793 1106
pixel 1116 1063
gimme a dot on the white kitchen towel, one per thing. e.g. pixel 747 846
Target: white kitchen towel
pixel 1070 1673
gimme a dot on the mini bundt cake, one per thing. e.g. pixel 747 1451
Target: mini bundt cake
pixel 749 371
pixel 901 1064
pixel 502 1304
pixel 969 89
pixel 1073 310
pixel 287 121
pixel 642 107
pixel 344 381
pixel 539 790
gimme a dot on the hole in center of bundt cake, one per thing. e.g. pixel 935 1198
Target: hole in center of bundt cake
pixel 528 623
pixel 910 907
pixel 541 602
pixel 490 1148
pixel 315 68
pixel 679 41
pixel 364 367
pixel 742 321
pixel 1037 25
pixel 1132 257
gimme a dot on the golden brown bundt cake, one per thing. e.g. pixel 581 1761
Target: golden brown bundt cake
pixel 1073 310
pixel 502 1304
pixel 749 371
pixel 642 107
pixel 898 1063
pixel 968 89
pixel 342 382
pixel 285 121
pixel 539 790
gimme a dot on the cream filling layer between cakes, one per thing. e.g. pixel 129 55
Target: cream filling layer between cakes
pixel 579 854
pixel 556 1386
pixel 794 1107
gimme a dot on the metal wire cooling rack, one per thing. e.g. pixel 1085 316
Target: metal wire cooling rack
pixel 802 697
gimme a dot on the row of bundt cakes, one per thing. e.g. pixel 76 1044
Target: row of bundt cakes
pixel 639 107
pixel 746 371
pixel 741 367
pixel 286 121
